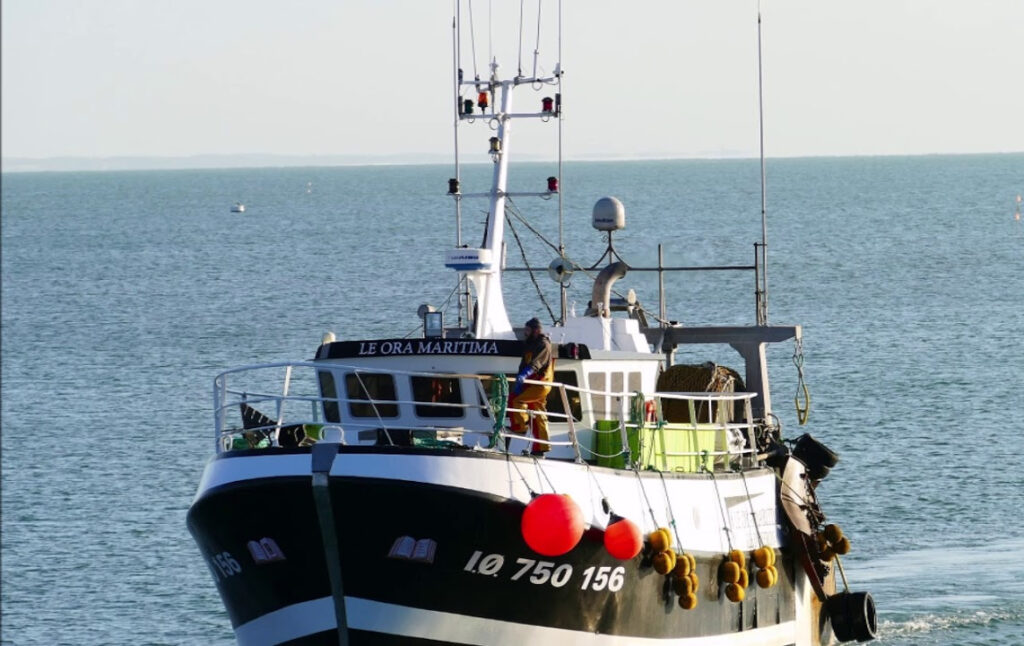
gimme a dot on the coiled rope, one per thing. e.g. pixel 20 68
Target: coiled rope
pixel 499 407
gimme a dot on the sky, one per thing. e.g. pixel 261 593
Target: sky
pixel 648 78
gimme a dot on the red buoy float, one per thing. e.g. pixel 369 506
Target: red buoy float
pixel 623 539
pixel 552 524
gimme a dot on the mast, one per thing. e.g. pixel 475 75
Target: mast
pixel 481 267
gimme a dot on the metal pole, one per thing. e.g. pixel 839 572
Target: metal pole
pixel 763 304
pixel 456 53
pixel 561 185
pixel 661 287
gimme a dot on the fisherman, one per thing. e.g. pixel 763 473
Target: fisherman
pixel 537 364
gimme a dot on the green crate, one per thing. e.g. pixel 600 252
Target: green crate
pixel 607 442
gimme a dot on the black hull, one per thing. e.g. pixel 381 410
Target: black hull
pixel 474 576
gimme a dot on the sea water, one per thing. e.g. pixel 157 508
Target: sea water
pixel 124 293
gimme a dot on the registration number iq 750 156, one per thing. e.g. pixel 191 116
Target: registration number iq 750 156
pixel 547 572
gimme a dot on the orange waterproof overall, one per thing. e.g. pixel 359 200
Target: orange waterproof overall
pixel 533 397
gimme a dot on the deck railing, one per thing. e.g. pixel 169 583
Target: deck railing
pixel 280 404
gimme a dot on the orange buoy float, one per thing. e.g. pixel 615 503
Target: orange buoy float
pixel 833 533
pixel 688 602
pixel 735 593
pixel 729 571
pixel 737 557
pixel 664 562
pixel 552 524
pixel 683 567
pixel 660 540
pixel 623 538
pixel 842 546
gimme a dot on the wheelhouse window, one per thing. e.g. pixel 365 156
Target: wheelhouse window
pixel 329 393
pixel 442 397
pixel 378 388
pixel 599 402
pixel 554 404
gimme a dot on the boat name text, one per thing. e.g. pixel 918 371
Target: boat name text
pixel 388 348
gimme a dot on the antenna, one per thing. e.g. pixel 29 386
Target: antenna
pixel 762 260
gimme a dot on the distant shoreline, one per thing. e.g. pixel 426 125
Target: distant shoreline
pixel 242 162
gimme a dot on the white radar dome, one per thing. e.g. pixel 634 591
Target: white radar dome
pixel 609 214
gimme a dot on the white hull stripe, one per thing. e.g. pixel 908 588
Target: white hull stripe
pixel 316 616
pixel 290 622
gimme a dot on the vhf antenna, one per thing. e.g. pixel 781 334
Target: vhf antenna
pixel 762 287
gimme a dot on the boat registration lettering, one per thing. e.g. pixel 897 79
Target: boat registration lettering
pixel 224 565
pixel 550 573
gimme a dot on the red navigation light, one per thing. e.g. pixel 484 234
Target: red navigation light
pixel 552 185
pixel 547 104
pixel 481 100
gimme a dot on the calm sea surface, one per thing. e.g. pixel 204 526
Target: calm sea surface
pixel 124 293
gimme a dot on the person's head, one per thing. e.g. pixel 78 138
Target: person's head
pixel 533 328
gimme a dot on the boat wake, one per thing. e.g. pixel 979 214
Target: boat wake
pixel 964 627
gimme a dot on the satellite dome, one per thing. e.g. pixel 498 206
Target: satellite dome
pixel 609 214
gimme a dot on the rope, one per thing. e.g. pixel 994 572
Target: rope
pixel 646 499
pixel 510 206
pixel 604 500
pixel 803 410
pixel 509 460
pixel 472 40
pixel 499 405
pixel 529 269
pixel 536 462
pixel 721 509
pixel 753 515
pixel 671 515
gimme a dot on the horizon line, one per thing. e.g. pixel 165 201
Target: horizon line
pixel 241 161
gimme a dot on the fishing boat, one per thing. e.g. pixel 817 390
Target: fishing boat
pixel 376 493
pixel 238 207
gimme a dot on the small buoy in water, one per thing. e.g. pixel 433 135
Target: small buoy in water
pixel 735 593
pixel 729 572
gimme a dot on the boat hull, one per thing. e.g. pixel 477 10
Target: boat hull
pixel 473 580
